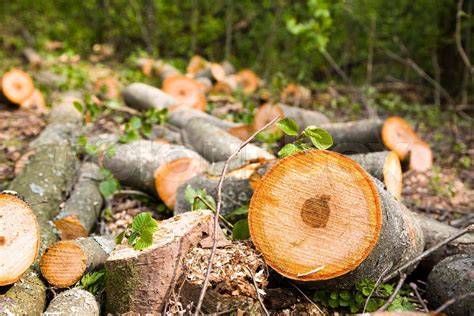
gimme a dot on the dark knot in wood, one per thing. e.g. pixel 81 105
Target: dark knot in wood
pixel 315 211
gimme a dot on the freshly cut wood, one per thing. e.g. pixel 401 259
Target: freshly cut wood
pixel 107 88
pixel 229 69
pixel 385 166
pixel 64 263
pixel 236 189
pixel 82 209
pixel 146 65
pixel 212 71
pixel 32 57
pixel 133 280
pixel 17 86
pixel 35 102
pixel 311 203
pixel 141 96
pixel 374 135
pixel 186 92
pixel 296 95
pixel 248 81
pixel 435 232
pixel 74 302
pixel 154 168
pixel 226 86
pixel 451 279
pixel 25 297
pixel 215 144
pixel 19 237
pixel 196 64
pixel 304 118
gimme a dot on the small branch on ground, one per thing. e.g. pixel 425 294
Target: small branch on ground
pixel 219 205
pixel 256 291
pixel 452 301
pixel 377 284
pixel 414 287
pixel 459 46
pixel 394 294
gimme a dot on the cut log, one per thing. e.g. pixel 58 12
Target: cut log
pixel 216 144
pixel 205 84
pixel 227 86
pixel 212 71
pixel 296 95
pixel 19 237
pixel 375 135
pixel 32 57
pixel 146 65
pixel 106 88
pixel 25 297
pixel 166 133
pixel 185 91
pixel 181 118
pixel 82 209
pixel 196 64
pixel 435 232
pixel 154 168
pixel 385 166
pixel 229 69
pixel 35 102
pixel 64 263
pixel 248 81
pixel 74 302
pixel 141 96
pixel 133 280
pixel 165 70
pixel 17 86
pixel 319 218
pixel 451 278
pixel 304 118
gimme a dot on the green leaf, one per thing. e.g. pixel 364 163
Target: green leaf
pixel 78 106
pixel 93 282
pixel 144 222
pixel 111 151
pixel 130 136
pixel 105 172
pixel 345 295
pixel 90 149
pixel 135 122
pixel 108 187
pixel 82 141
pixel 288 126
pixel 334 295
pixel 241 230
pixel 119 238
pixel 333 302
pixel 289 149
pixel 147 129
pixel 372 305
pixel 343 303
pixel 243 210
pixel 131 239
pixel 189 194
pixel 320 138
pixel 145 240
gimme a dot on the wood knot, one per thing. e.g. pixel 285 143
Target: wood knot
pixel 315 211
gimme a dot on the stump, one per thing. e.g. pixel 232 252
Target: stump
pixel 64 263
pixel 19 237
pixel 74 302
pixel 141 96
pixel 319 218
pixel 16 86
pixel 186 92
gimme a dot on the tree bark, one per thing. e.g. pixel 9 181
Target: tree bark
pixel 141 96
pixel 32 57
pixel 310 200
pixel 74 302
pixel 134 281
pixel 64 263
pixel 81 210
pixel 181 118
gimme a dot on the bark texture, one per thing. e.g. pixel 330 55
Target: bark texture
pixel 74 302
pixel 181 118
pixel 135 283
pixel 143 97
pixel 303 117
pixel 450 278
pixel 82 208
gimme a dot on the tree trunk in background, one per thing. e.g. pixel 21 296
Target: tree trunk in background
pixel 229 13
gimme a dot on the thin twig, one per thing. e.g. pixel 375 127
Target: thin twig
pixel 414 287
pixel 452 301
pixel 394 294
pixel 461 50
pixel 134 192
pixel 218 210
pixel 427 252
pixel 377 284
pixel 256 290
pixel 307 298
pixel 213 209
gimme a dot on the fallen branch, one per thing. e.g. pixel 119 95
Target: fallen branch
pixel 379 280
pixel 414 287
pixel 394 294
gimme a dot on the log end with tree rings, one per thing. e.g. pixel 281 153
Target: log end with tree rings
pixel 242 131
pixel 63 264
pixel 17 86
pixel 170 176
pixel 19 237
pixel 146 65
pixel 392 175
pixel 296 95
pixel 35 102
pixel 196 64
pixel 70 227
pixel 315 216
pixel 217 71
pixel 397 135
pixel 222 87
pixel 185 91
pixel 107 87
pixel 265 114
pixel 248 81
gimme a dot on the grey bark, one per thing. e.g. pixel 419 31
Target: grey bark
pixel 303 117
pixel 97 249
pixel 74 302
pixel 181 119
pixel 450 278
pixel 373 163
pixel 143 97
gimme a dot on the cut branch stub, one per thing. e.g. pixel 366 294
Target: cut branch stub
pixel 19 237
pixel 17 86
pixel 318 216
pixel 186 91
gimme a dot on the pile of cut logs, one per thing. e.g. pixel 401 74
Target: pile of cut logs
pixel 324 219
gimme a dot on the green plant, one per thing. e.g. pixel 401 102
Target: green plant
pixel 318 137
pixel 139 233
pixel 240 229
pixel 90 110
pixel 198 198
pixel 137 126
pixel 110 185
pixel 93 282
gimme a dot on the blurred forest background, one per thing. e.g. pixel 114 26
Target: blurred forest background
pixel 420 42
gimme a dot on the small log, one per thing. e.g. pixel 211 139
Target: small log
pixel 74 302
pixel 165 70
pixel 146 65
pixel 229 69
pixel 50 79
pixel 215 144
pixel 385 166
pixel 435 232
pixel 186 92
pixel 64 263
pixel 205 84
pixel 25 297
pixel 133 281
pixel 296 95
pixel 19 237
pixel 451 278
pixel 196 64
pixel 81 210
pixel 141 96
pixel 311 203
pixel 154 168
pixel 248 81
pixel 212 71
pixel 304 118
pixel 226 86
pixel 167 134
pixel 181 118
pixel 16 86
pixel 32 57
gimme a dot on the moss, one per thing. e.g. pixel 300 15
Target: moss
pixel 121 281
